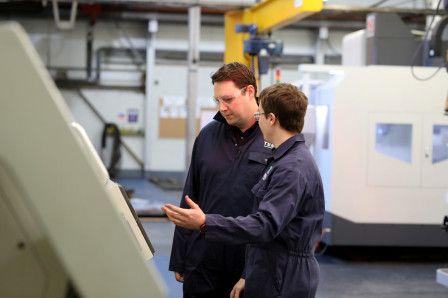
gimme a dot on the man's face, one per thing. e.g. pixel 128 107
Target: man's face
pixel 234 104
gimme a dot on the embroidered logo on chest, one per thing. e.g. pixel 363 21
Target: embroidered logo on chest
pixel 268 145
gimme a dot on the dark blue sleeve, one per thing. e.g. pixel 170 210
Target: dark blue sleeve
pixel 181 236
pixel 279 204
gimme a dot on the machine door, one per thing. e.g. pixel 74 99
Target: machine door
pixel 435 147
pixel 408 150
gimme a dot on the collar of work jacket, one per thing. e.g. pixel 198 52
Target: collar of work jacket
pixel 286 145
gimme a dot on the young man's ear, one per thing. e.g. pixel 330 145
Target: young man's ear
pixel 272 118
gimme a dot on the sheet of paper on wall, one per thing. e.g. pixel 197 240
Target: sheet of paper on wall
pixel 174 111
pixel 164 111
pixel 171 106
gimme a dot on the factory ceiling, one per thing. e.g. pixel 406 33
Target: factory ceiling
pixel 335 14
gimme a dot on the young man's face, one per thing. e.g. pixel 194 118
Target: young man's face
pixel 234 104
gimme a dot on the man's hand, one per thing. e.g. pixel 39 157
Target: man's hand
pixel 192 218
pixel 179 276
pixel 238 289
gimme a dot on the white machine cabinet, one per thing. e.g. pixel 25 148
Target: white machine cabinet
pixel 382 149
pixel 65 228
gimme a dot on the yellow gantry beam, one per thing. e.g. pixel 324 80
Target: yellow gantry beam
pixel 234 50
pixel 275 14
pixel 268 15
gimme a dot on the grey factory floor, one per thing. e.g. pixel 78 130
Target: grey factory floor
pixel 345 273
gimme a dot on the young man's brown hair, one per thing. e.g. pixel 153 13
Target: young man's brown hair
pixel 287 103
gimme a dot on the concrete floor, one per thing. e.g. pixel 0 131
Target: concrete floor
pixel 361 272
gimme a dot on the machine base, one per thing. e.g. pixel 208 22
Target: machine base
pixel 347 233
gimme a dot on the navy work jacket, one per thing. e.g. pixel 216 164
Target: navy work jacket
pixel 284 228
pixel 225 165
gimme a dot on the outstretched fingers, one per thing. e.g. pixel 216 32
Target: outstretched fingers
pixel 171 214
pixel 191 218
pixel 174 209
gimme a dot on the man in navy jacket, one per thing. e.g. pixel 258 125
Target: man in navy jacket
pixel 286 222
pixel 228 157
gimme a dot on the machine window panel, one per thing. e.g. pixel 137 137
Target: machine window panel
pixel 394 140
pixel 322 127
pixel 439 143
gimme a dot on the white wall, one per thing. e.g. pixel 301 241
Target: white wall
pixel 67 49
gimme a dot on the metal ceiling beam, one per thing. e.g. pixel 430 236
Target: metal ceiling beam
pixel 328 11
pixel 218 20
pixel 181 3
pixel 226 5
pixel 342 9
pixel 239 5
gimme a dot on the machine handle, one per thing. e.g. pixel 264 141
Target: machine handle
pixel 427 151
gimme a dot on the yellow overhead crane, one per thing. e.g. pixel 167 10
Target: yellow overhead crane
pixel 260 20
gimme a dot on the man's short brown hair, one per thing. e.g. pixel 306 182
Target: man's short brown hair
pixel 240 74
